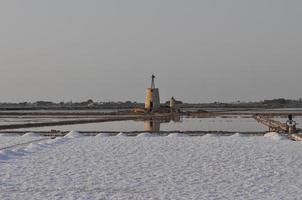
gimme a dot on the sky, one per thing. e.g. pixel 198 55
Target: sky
pixel 107 50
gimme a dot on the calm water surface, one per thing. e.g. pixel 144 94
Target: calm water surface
pixel 237 124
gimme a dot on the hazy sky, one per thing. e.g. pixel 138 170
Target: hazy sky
pixel 200 50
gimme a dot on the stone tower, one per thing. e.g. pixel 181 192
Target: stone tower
pixel 152 103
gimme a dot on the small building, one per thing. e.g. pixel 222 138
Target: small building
pixel 172 104
pixel 174 107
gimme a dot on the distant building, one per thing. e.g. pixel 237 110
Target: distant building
pixel 174 105
pixel 152 103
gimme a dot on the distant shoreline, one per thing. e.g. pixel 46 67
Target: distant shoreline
pixel 280 103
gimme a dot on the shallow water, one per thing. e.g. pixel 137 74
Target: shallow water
pixel 24 120
pixel 236 124
pixel 63 111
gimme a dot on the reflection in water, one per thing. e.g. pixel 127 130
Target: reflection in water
pixel 233 124
pixel 153 125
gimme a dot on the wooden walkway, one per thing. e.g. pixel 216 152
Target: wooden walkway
pixel 273 125
pixel 278 127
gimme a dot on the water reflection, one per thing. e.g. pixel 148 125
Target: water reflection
pixel 234 124
pixel 153 125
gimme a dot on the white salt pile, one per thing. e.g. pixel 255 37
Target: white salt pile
pixel 156 168
pixel 210 135
pixel 236 135
pixel 103 135
pixel 146 135
pixel 3 156
pixel 73 134
pixel 34 147
pixel 177 135
pixel 274 136
pixel 122 135
pixel 31 134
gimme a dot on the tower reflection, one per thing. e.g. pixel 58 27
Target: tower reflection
pixel 153 124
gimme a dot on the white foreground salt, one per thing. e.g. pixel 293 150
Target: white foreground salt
pixel 103 135
pixel 173 135
pixel 200 167
pixel 122 135
pixel 73 134
pixel 146 135
pixel 11 140
pixel 274 136
pixel 30 134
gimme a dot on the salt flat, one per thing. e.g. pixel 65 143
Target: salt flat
pixel 11 139
pixel 120 167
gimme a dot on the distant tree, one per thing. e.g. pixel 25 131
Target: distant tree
pixel 281 101
pixel 44 103
pixel 23 104
pixel 89 101
pixel 276 101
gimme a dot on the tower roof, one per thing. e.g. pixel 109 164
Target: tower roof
pixel 153 82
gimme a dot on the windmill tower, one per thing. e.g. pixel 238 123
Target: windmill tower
pixel 152 103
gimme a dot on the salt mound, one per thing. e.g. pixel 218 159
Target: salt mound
pixel 31 134
pixel 177 135
pixel 210 135
pixel 236 135
pixel 103 135
pixel 3 156
pixel 33 147
pixel 8 135
pixel 20 151
pixel 145 135
pixel 73 134
pixel 274 136
pixel 8 152
pixel 57 140
pixel 122 135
